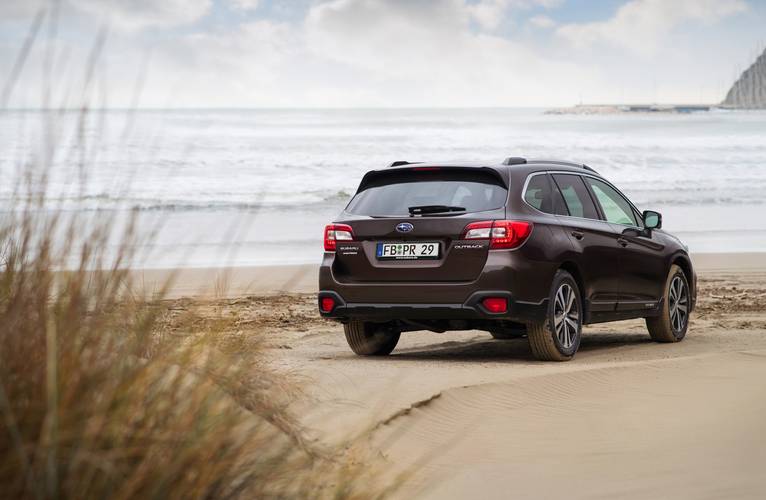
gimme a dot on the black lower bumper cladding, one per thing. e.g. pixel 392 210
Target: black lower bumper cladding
pixel 470 309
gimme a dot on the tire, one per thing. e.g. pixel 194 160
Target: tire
pixel 545 342
pixel 673 320
pixel 370 339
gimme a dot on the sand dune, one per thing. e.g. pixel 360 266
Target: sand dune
pixel 676 428
pixel 629 418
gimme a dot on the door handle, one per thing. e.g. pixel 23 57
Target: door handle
pixel 622 241
pixel 578 234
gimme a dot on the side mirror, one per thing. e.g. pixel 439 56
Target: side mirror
pixel 652 219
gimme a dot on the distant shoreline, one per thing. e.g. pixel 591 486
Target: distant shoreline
pixel 546 109
pixel 610 109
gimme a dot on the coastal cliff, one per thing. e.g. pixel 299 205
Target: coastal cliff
pixel 749 91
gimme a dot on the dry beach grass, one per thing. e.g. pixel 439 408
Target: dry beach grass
pixel 98 397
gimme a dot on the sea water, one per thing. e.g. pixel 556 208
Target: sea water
pixel 256 187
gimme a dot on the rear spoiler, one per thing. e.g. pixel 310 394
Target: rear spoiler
pixel 399 163
pixel 376 175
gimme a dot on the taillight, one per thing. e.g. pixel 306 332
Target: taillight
pixel 334 233
pixel 500 233
pixel 509 234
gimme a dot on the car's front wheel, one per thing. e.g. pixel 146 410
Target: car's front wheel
pixel 673 320
pixel 557 338
pixel 370 339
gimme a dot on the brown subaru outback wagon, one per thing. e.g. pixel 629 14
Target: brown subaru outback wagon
pixel 533 248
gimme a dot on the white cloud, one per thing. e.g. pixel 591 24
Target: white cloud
pixel 21 9
pixel 490 13
pixel 123 15
pixel 243 5
pixel 541 21
pixel 396 53
pixel 258 63
pixel 354 53
pixel 132 15
pixel 642 25
pixel 374 34
pixel 428 54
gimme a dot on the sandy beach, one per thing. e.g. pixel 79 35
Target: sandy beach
pixel 237 281
pixel 463 415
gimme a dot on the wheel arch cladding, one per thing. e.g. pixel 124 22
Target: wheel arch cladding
pixel 685 264
pixel 572 269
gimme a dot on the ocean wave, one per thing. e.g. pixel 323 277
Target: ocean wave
pixel 301 160
pixel 105 203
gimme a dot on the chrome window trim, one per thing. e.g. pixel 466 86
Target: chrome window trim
pixel 569 172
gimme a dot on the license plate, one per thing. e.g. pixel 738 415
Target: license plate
pixel 409 251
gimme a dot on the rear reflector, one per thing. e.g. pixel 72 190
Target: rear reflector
pixel 334 233
pixel 495 304
pixel 327 304
pixel 501 233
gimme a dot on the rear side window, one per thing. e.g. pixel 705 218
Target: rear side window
pixel 578 201
pixel 542 195
pixel 615 207
pixel 394 194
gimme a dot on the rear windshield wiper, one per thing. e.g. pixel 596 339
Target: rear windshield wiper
pixel 434 209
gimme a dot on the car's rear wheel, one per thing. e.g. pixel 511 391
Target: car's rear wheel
pixel 370 339
pixel 673 320
pixel 557 338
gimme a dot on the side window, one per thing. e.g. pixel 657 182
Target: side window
pixel 538 193
pixel 559 205
pixel 576 197
pixel 615 207
pixel 542 195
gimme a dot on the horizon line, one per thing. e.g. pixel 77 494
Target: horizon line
pixel 348 108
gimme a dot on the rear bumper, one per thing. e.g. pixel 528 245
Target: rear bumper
pixel 470 309
pixel 525 282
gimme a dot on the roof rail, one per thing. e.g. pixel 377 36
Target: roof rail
pixel 565 163
pixel 399 163
pixel 514 160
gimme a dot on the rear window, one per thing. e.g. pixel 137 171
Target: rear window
pixel 394 194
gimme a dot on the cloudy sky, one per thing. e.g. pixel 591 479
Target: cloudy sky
pixel 378 53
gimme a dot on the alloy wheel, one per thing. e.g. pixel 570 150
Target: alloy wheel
pixel 678 304
pixel 566 315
